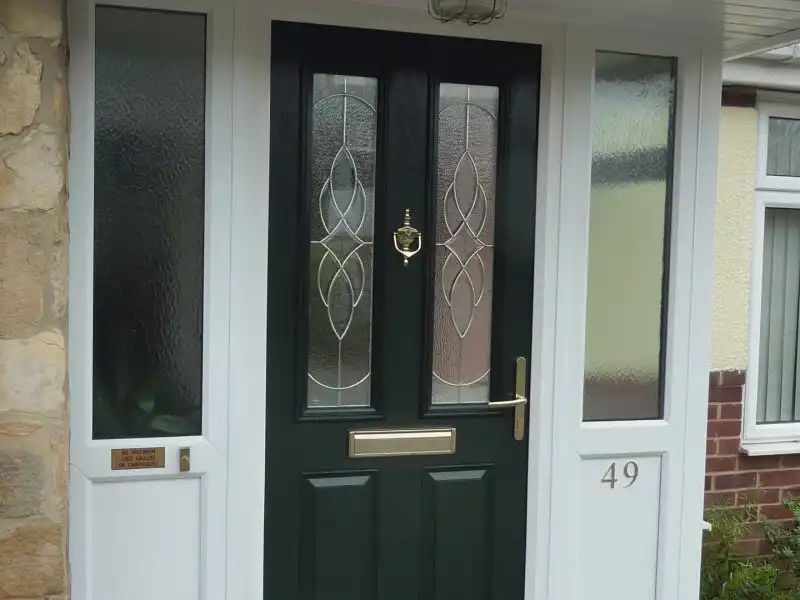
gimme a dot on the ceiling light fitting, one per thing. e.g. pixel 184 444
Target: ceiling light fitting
pixel 471 12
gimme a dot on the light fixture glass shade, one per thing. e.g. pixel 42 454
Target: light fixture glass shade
pixel 471 12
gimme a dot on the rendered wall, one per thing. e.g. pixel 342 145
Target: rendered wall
pixel 734 238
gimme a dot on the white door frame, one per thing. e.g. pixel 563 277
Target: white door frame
pixel 250 221
pixel 557 439
pixel 559 310
pixel 251 172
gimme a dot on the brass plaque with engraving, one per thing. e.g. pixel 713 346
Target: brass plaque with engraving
pixel 137 458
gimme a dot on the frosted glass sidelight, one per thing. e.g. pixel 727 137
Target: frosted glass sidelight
pixel 632 154
pixel 149 222
pixel 783 147
pixel 462 316
pixel 342 161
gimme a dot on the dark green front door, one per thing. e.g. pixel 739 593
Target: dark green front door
pixel 368 355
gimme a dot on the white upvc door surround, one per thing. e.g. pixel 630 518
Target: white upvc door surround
pixel 560 445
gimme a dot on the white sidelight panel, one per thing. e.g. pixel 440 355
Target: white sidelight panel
pixel 628 433
pixel 150 297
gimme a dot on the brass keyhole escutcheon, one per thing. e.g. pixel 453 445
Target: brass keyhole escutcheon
pixel 184 460
pixel 407 239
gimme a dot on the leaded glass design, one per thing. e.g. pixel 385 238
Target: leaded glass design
pixel 462 319
pixel 342 178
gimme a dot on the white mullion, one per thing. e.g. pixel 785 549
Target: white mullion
pixel 545 309
pixel 682 409
pixel 571 312
pixel 218 234
pixel 81 220
pixel 704 82
pixel 250 156
pixel 80 15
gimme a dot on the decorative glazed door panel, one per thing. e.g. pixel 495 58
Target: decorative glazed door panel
pixel 402 204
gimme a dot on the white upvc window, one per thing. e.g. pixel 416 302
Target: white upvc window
pixel 772 398
pixel 779 144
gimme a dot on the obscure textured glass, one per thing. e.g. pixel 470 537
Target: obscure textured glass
pixel 148 222
pixel 462 316
pixel 342 171
pixel 783 147
pixel 632 109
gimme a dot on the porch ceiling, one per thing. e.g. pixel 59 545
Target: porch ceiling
pixel 753 26
pixel 750 26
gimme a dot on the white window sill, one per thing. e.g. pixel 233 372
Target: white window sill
pixel 770 447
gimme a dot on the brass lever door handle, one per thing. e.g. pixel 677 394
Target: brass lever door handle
pixel 520 399
pixel 508 403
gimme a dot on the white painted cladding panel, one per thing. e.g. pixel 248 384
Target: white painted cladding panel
pixel 145 539
pixel 618 527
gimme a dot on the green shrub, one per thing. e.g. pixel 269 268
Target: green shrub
pixel 727 576
pixel 784 542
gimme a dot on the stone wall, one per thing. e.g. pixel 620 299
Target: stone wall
pixel 33 249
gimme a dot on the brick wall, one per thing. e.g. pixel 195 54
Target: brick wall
pixel 735 478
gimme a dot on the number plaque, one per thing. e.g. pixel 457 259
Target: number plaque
pixel 630 473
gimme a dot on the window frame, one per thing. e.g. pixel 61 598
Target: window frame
pixel 771 191
pixel 216 235
pixel 766 111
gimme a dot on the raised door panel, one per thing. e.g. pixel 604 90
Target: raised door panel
pixel 338 536
pixel 458 521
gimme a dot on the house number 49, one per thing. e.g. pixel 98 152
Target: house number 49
pixel 630 473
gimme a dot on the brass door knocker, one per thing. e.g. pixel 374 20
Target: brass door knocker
pixel 405 237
